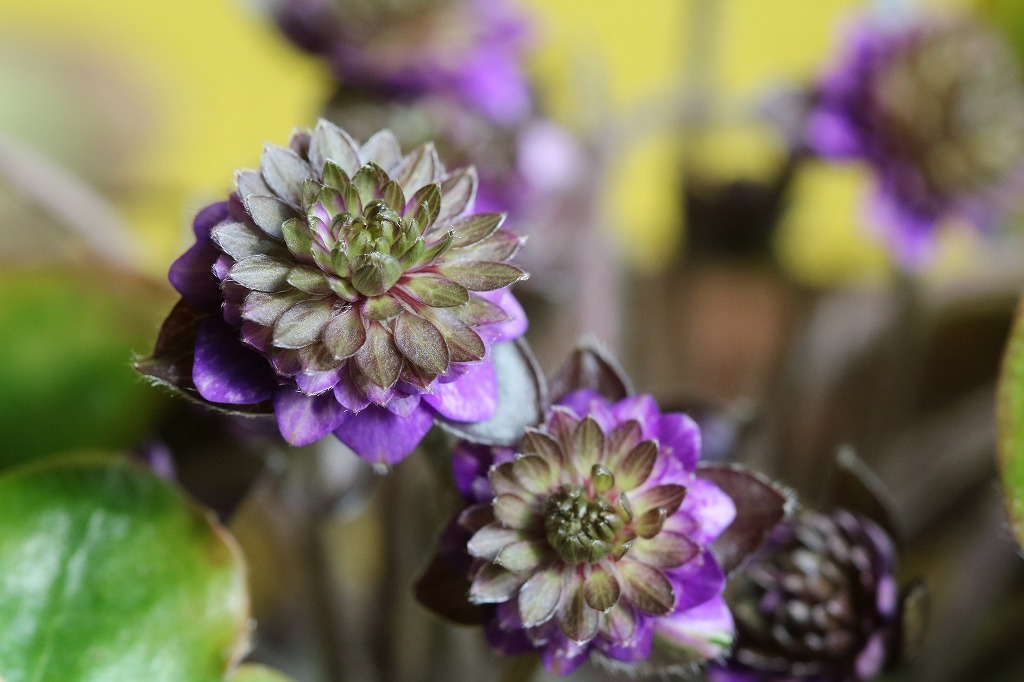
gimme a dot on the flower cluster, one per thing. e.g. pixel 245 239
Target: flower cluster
pixel 469 49
pixel 352 286
pixel 592 537
pixel 820 603
pixel 936 108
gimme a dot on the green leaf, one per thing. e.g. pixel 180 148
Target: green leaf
pixel 66 339
pixel 250 672
pixel 1010 422
pixel 109 573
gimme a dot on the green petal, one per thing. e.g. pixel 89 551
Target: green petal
pixel 261 273
pixel 311 280
pixel 375 273
pixel 302 324
pixel 479 311
pixel 464 344
pixel 513 511
pixel 268 213
pixel 264 309
pixel 621 442
pixel 331 143
pixel 424 206
pixel 544 446
pixel 601 590
pixel 487 542
pixel 664 550
pixel 620 622
pixel 493 584
pixel 435 290
pixel 240 241
pixel 667 496
pixel 579 622
pixel 458 191
pixel 588 440
pixel 523 556
pixel 534 473
pixel 391 194
pixel 436 250
pixel 422 343
pixel 499 247
pixel 342 288
pixel 297 236
pixel 482 275
pixel 647 588
pixel 250 182
pixel 539 597
pixel 384 150
pixel 504 481
pixel 636 466
pixel 345 334
pixel 284 172
pixel 649 524
pixel 378 358
pixel 418 168
pixel 473 228
pixel 310 192
pixel 335 177
pixel 368 182
pixel 381 308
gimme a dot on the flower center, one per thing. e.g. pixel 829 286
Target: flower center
pixel 579 527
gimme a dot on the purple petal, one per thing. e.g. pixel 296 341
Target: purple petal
pixel 403 407
pixel 679 437
pixel 696 581
pixel 473 398
pixel 638 649
pixel 470 463
pixel 318 382
pixel 380 437
pixel 192 273
pixel 349 395
pixel 504 299
pixel 642 408
pixel 305 419
pixel 562 656
pixel 588 402
pixel 207 218
pixel 507 643
pixel 225 370
pixel 830 134
pixel 705 629
pixel 705 513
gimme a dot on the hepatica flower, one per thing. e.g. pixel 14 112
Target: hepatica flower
pixel 591 538
pixel 821 604
pixel 936 108
pixel 350 288
pixel 470 49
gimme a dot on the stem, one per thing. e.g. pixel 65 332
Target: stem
pixel 322 599
pixel 67 198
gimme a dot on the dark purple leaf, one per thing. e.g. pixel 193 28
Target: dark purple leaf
pixel 590 366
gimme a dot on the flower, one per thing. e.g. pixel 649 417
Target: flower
pixel 936 108
pixel 470 49
pixel 820 603
pixel 352 288
pixel 592 537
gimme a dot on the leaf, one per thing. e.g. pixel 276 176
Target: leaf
pixel 760 505
pixel 859 489
pixel 251 672
pixel 103 566
pixel 66 338
pixel 1010 424
pixel 522 397
pixel 591 366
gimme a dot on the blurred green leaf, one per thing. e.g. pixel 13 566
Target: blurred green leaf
pixel 108 573
pixel 1010 420
pixel 66 343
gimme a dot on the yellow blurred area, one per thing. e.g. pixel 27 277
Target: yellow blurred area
pixel 211 79
pixel 745 47
pixel 206 82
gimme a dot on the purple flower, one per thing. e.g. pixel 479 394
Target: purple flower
pixel 349 289
pixel 591 538
pixel 819 604
pixel 936 108
pixel 470 49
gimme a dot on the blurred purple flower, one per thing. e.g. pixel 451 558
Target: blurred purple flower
pixel 820 603
pixel 469 49
pixel 592 537
pixel 352 290
pixel 936 108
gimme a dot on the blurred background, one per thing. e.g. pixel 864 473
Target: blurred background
pixel 672 213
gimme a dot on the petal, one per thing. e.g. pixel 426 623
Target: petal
pixel 518 324
pixel 700 633
pixel 192 276
pixel 679 437
pixel 225 370
pixel 697 581
pixel 487 542
pixel 579 622
pixel 704 514
pixel 472 398
pixel 348 394
pixel 642 408
pixel 494 584
pixel 539 597
pixel 305 419
pixel 380 437
pixel 646 588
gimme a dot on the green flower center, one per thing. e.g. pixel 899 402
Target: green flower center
pixel 581 528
